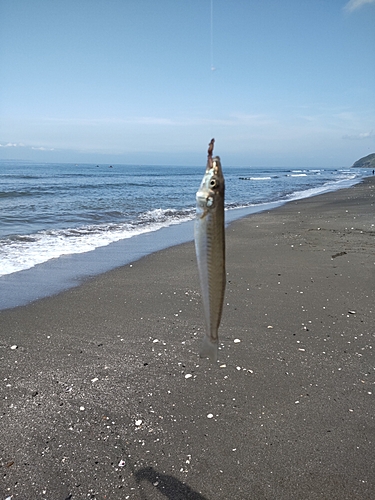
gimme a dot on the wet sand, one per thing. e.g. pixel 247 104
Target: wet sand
pixel 103 395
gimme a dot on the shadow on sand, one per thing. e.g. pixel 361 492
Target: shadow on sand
pixel 170 487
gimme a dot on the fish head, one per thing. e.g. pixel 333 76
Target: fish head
pixel 211 191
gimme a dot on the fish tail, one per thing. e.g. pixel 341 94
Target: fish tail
pixel 209 349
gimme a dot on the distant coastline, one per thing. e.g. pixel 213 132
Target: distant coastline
pixel 365 162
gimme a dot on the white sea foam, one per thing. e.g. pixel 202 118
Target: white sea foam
pixel 27 251
pixel 268 178
pixel 260 178
pixel 346 181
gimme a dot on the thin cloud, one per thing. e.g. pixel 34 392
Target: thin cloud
pixel 21 145
pixel 358 137
pixel 357 4
pixel 42 149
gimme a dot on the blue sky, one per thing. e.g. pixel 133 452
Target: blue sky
pixel 277 83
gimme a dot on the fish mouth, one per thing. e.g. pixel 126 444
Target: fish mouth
pixel 214 166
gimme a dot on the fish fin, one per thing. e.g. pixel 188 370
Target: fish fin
pixel 209 349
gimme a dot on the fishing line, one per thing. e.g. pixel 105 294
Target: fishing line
pixel 212 36
pixel 212 106
pixel 211 102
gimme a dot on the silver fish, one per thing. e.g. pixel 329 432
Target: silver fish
pixel 210 250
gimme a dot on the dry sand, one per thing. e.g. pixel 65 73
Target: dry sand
pixel 103 395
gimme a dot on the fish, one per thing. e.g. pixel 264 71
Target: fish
pixel 209 236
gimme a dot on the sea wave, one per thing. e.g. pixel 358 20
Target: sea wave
pixel 255 178
pixel 14 194
pixel 20 252
pixel 345 181
pixel 160 215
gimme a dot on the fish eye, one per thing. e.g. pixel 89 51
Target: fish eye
pixel 213 183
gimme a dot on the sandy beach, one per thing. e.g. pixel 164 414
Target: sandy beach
pixel 104 396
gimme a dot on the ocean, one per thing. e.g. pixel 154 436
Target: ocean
pixel 61 223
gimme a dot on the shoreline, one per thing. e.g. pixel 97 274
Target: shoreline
pixel 68 271
pixel 104 395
